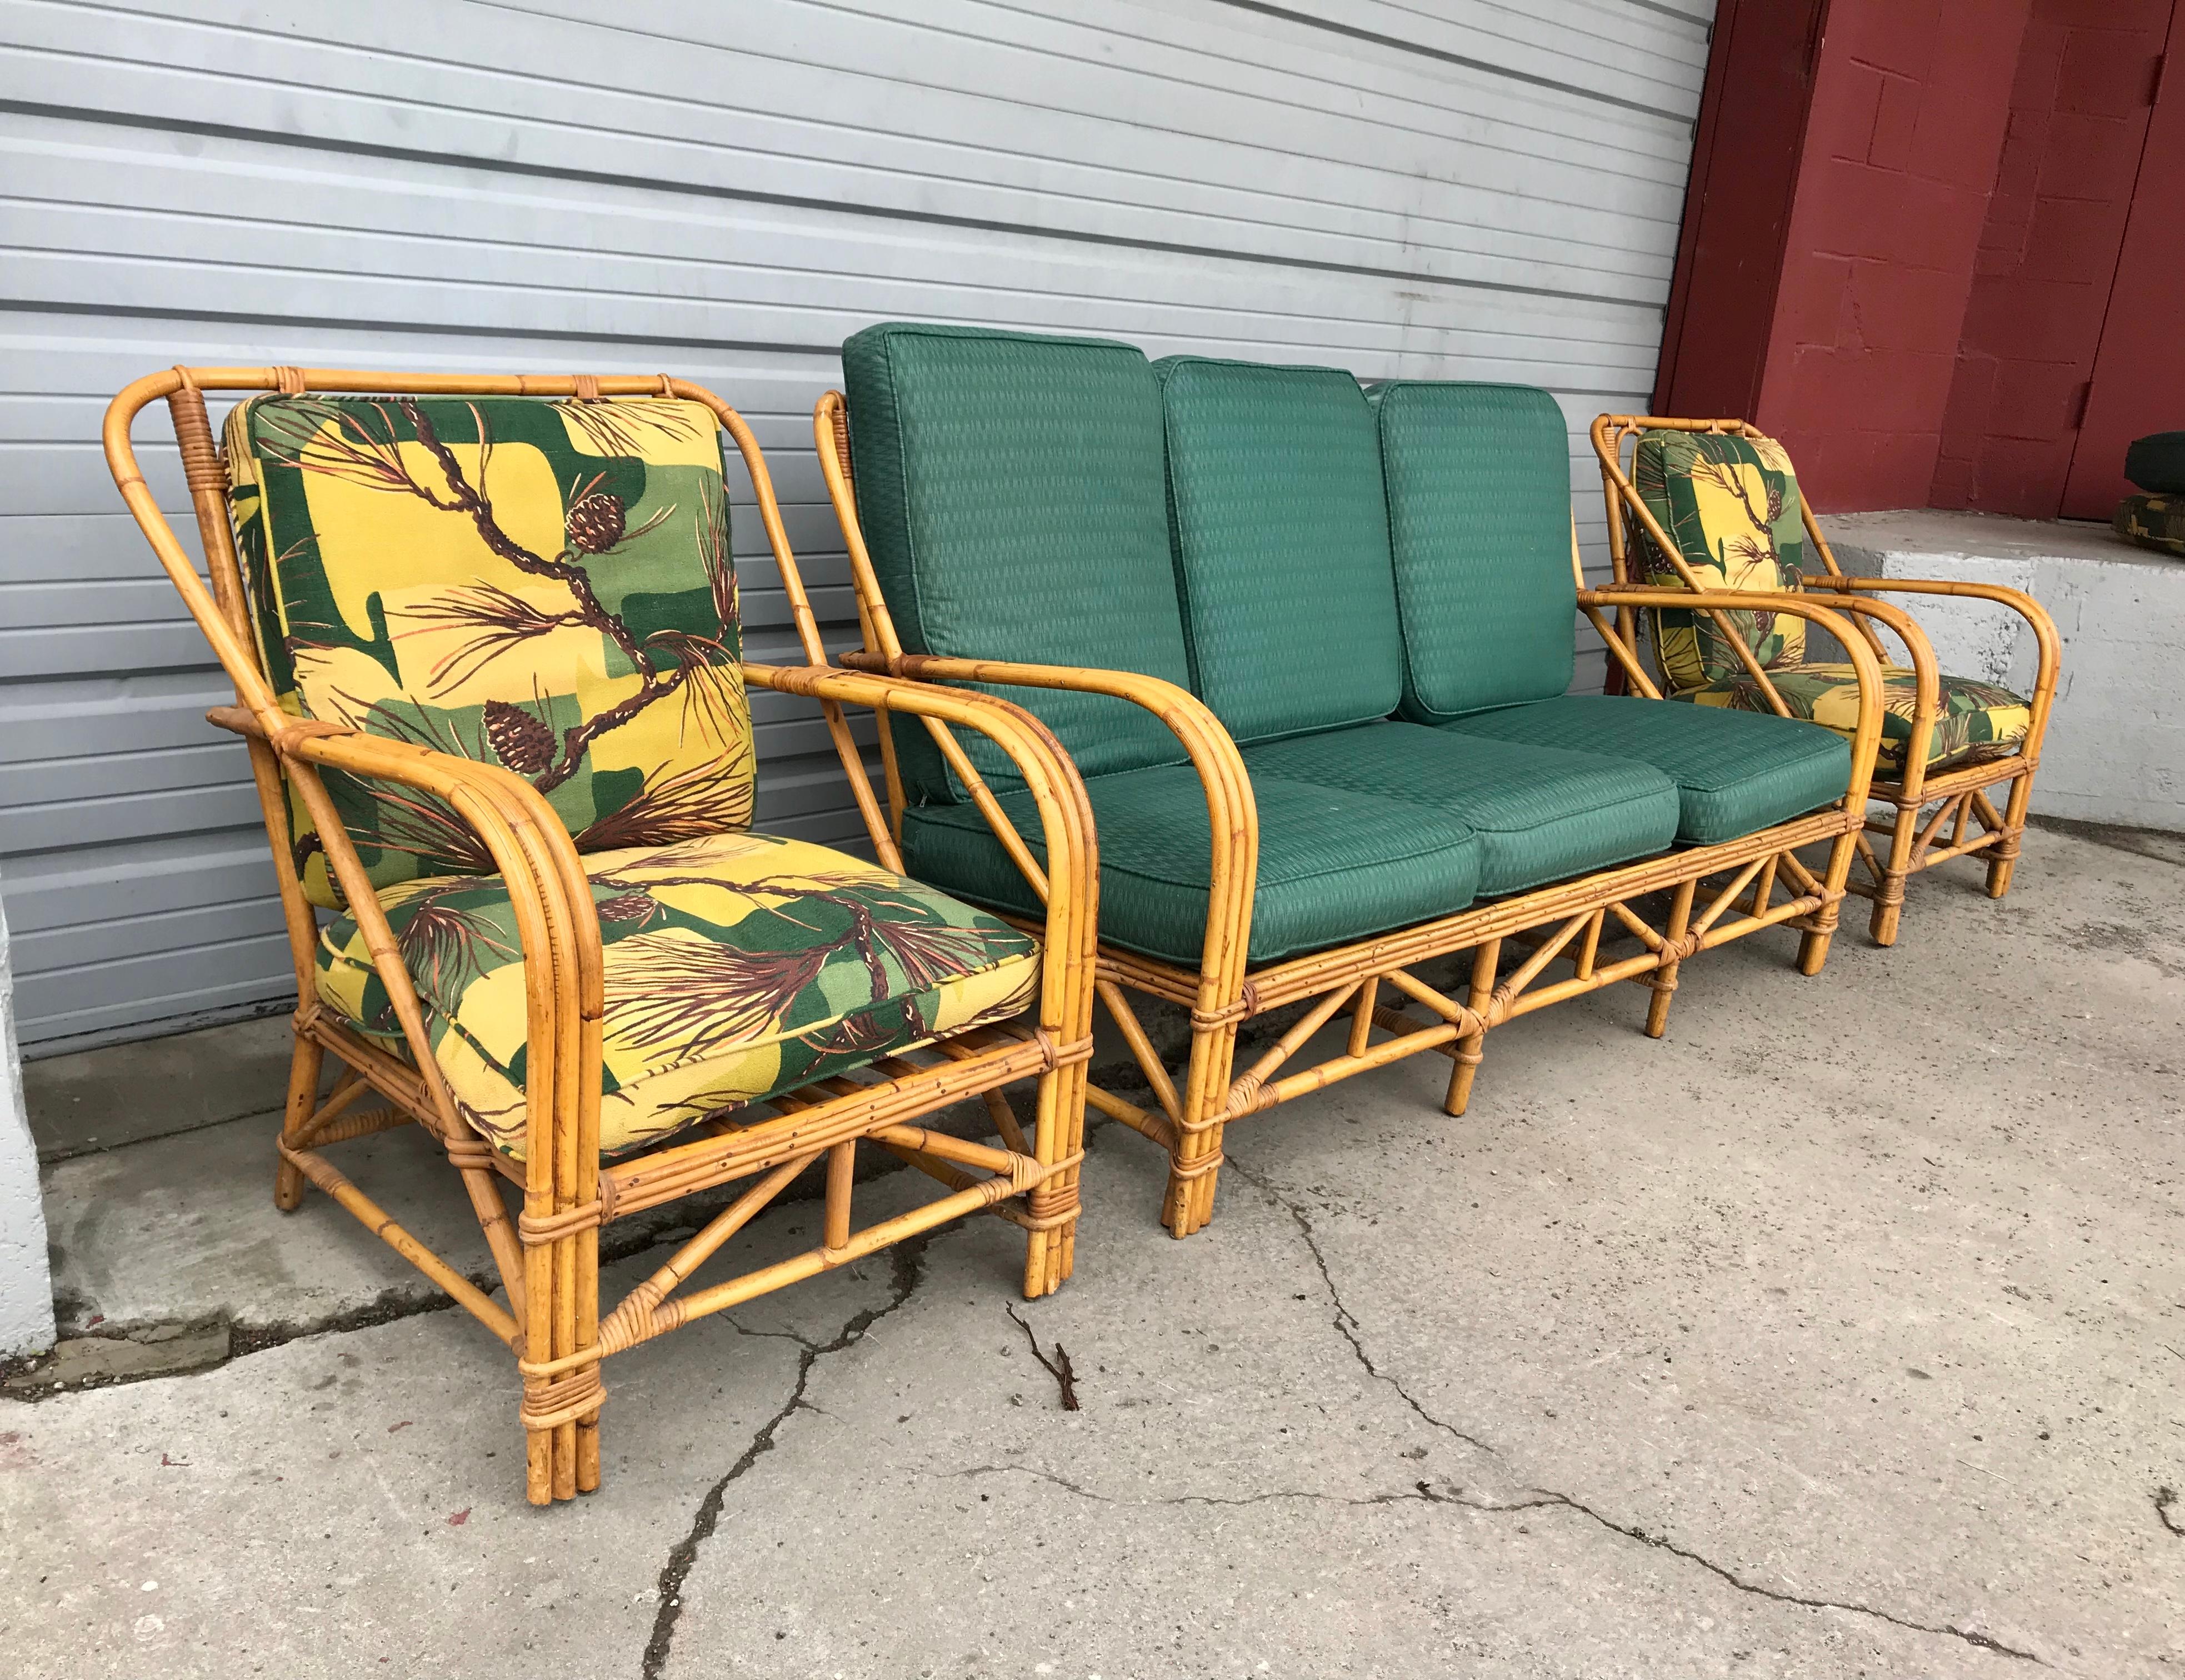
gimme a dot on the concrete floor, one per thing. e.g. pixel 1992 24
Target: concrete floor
pixel 1841 1333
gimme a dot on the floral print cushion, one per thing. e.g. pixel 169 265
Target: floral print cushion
pixel 1730 505
pixel 737 967
pixel 1973 721
pixel 543 585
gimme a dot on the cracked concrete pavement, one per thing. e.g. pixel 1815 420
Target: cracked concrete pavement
pixel 1841 1333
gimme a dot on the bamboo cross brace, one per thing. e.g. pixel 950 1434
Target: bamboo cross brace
pixel 1141 1050
pixel 1721 901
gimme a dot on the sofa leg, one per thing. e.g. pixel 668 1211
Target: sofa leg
pixel 1813 949
pixel 1195 1166
pixel 1484 958
pixel 1665 976
pixel 304 1066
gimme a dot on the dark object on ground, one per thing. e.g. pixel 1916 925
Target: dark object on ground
pixel 1059 1367
pixel 2155 522
pixel 2156 462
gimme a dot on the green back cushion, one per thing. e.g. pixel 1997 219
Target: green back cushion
pixel 1009 487
pixel 1281 545
pixel 541 585
pixel 1479 514
pixel 1730 505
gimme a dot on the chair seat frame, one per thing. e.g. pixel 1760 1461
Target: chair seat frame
pixel 1392 1012
pixel 1936 814
pixel 547 1257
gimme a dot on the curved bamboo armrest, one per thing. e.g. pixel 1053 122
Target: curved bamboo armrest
pixel 1070 883
pixel 1866 735
pixel 557 928
pixel 2049 643
pixel 1233 817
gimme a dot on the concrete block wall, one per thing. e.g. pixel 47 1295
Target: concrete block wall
pixel 26 1295
pixel 2115 746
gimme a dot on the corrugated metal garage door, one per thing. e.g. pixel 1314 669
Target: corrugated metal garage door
pixel 1447 188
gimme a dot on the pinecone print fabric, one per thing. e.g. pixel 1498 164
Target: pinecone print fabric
pixel 737 966
pixel 542 585
pixel 1730 505
pixel 1974 721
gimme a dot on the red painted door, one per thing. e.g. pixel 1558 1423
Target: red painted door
pixel 2139 371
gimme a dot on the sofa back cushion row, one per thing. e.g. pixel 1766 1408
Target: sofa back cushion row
pixel 1225 525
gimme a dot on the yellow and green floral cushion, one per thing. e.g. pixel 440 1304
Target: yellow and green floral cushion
pixel 1973 721
pixel 1730 505
pixel 2153 522
pixel 544 585
pixel 737 966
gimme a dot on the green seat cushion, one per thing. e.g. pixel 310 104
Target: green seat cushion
pixel 1334 866
pixel 1480 513
pixel 1542 813
pixel 1010 489
pixel 1281 545
pixel 1730 782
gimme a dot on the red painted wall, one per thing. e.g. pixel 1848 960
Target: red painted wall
pixel 2139 377
pixel 1904 133
pixel 2049 254
pixel 1746 154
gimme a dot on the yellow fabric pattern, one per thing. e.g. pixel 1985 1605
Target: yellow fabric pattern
pixel 737 966
pixel 542 585
pixel 1973 721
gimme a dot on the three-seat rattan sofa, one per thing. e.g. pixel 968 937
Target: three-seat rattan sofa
pixel 1309 650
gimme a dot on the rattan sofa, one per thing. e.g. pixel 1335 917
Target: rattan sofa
pixel 485 639
pixel 1309 651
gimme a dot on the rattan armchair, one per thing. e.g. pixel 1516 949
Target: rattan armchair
pixel 484 634
pixel 1948 743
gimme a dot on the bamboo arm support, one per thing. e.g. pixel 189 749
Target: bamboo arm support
pixel 1868 668
pixel 2036 614
pixel 1068 950
pixel 1233 817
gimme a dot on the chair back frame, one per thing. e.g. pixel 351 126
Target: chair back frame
pixel 1957 794
pixel 548 1258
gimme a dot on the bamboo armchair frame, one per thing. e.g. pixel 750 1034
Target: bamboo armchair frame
pixel 1959 794
pixel 548 1257
pixel 1563 922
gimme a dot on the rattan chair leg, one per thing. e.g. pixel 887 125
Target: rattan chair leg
pixel 1889 891
pixel 1470 1047
pixel 303 1065
pixel 1665 977
pixel 2004 858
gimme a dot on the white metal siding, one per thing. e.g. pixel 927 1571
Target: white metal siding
pixel 1447 188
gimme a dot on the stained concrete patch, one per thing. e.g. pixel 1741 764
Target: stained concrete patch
pixel 1839 1334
